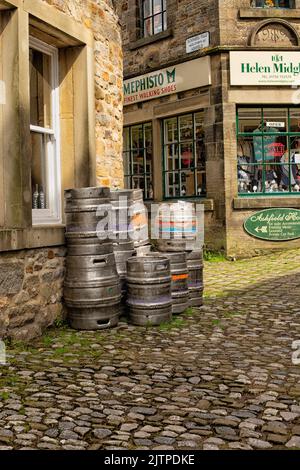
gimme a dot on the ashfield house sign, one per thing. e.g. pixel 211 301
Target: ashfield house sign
pixel 265 68
pixel 274 224
pixel 185 76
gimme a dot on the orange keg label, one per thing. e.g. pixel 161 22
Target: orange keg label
pixel 179 277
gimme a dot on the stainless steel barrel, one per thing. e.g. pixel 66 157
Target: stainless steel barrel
pixel 195 268
pixel 176 227
pixel 149 290
pixel 121 258
pixel 121 202
pixel 88 244
pixel 139 219
pixel 179 284
pixel 143 250
pixel 87 209
pixel 92 291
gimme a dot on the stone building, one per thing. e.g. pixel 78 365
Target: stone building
pixel 211 113
pixel 61 127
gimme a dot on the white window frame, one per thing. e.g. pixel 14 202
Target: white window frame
pixel 52 215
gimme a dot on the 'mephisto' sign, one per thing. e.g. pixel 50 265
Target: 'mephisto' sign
pixel 264 68
pixel 193 74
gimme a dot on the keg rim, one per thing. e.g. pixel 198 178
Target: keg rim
pixel 148 258
pixel 83 191
pixel 72 235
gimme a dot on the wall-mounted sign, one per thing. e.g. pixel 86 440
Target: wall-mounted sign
pixel 265 68
pixel 186 76
pixel 197 42
pixel 275 124
pixel 274 224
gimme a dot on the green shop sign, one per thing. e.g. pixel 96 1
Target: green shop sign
pixel 274 224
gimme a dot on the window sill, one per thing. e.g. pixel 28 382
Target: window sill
pixel 266 202
pixel 285 13
pixel 151 39
pixel 36 237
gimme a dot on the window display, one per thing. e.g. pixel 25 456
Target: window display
pixel 268 150
pixel 273 3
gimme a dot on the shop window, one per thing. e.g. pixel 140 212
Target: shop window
pixel 44 130
pixel 137 158
pixel 184 156
pixel 268 151
pixel 154 17
pixel 273 3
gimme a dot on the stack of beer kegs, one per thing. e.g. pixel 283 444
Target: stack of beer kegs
pixel 92 290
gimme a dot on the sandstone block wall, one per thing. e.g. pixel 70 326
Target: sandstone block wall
pixel 31 283
pixel 186 18
pixel 101 18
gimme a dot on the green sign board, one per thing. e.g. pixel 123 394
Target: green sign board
pixel 274 224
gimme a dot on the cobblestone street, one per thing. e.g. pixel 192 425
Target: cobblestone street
pixel 221 377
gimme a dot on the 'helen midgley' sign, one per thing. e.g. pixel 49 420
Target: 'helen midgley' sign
pixel 193 74
pixel 274 224
pixel 265 68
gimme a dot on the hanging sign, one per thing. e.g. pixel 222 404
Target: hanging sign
pixel 185 76
pixel 201 41
pixel 274 224
pixel 265 68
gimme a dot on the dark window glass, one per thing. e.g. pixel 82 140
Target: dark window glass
pixel 137 158
pixel 184 156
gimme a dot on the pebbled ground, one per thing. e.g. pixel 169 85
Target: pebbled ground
pixel 221 377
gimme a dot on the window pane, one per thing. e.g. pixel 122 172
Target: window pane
pixel 171 157
pixel 250 178
pixel 294 120
pixel 171 131
pixel 147 8
pixel 157 6
pixel 148 25
pixel 275 119
pixel 187 183
pixel 137 138
pixel 186 127
pixel 158 23
pixel 250 120
pixel 40 89
pixel 200 156
pixel 201 183
pixel 138 182
pixel 187 155
pixel 274 148
pixel 39 148
pixel 172 184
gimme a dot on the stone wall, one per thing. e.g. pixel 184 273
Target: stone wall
pixel 238 21
pixel 100 17
pixel 186 18
pixel 31 283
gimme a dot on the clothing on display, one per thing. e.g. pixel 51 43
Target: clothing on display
pixel 272 149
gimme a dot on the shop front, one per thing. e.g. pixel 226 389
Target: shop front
pixel 168 119
pixel 263 98
pixel 224 131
